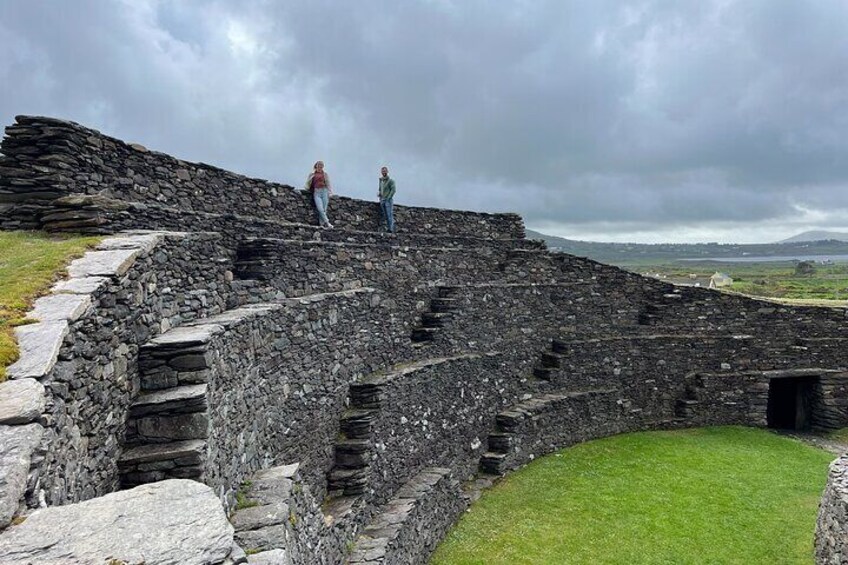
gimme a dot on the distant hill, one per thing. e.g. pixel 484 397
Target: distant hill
pixel 817 235
pixel 551 240
pixel 625 254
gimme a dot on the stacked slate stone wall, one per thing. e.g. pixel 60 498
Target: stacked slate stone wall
pixel 235 228
pixel 742 397
pixel 582 349
pixel 129 296
pixel 739 398
pixel 279 381
pixel 697 309
pixel 545 423
pixel 301 267
pixel 830 401
pixel 432 415
pixel 832 523
pixel 59 175
pixel 414 521
pixel 603 345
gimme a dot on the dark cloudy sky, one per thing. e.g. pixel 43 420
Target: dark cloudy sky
pixel 677 120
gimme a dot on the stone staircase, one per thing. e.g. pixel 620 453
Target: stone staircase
pixel 264 520
pixel 551 361
pixel 524 432
pixel 422 510
pixel 686 407
pixel 355 446
pixel 442 310
pixel 168 423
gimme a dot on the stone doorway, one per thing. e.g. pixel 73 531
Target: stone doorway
pixel 791 402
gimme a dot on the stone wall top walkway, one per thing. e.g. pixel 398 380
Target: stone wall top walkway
pixel 50 166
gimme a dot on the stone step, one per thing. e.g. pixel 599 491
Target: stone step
pixel 424 334
pixel 441 305
pixel 265 523
pixel 166 428
pixel 559 346
pixel 356 424
pixel 365 396
pixel 190 452
pixel 500 442
pixel 685 408
pixel 447 291
pixel 508 420
pixel 170 401
pixel 353 453
pixel 157 462
pixel 348 482
pixel 647 319
pixel 177 357
pixel 543 373
pixel 491 462
pixel 552 360
pixel 435 319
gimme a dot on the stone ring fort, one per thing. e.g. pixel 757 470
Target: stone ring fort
pixel 220 376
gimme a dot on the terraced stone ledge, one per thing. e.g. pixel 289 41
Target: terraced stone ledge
pixel 410 526
pixel 356 447
pixel 540 425
pixel 168 421
pixel 23 398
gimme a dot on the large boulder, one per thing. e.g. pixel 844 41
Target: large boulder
pixel 170 522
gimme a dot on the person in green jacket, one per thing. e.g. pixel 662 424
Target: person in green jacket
pixel 387 194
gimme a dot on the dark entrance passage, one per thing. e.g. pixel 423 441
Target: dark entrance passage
pixel 790 402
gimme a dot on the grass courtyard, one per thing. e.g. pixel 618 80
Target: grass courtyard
pixel 712 495
pixel 29 264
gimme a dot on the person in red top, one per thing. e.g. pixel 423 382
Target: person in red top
pixel 318 184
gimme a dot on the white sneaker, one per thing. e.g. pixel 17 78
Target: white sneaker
pixel 328 225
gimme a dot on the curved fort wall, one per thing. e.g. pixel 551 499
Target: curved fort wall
pixel 61 176
pixel 390 369
pixel 832 525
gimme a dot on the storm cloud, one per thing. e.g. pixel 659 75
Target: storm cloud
pixel 647 120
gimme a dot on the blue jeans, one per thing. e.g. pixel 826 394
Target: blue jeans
pixel 321 196
pixel 387 214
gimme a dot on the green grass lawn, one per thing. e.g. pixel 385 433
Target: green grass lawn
pixel 29 264
pixel 712 495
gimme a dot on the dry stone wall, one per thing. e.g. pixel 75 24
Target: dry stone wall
pixel 387 367
pixel 420 415
pixel 542 424
pixel 832 523
pixel 281 399
pixel 51 169
pixel 84 350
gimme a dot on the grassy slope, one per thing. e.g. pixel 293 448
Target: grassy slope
pixel 714 495
pixel 29 263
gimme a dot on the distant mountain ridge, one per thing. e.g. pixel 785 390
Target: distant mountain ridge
pixel 646 253
pixel 816 235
